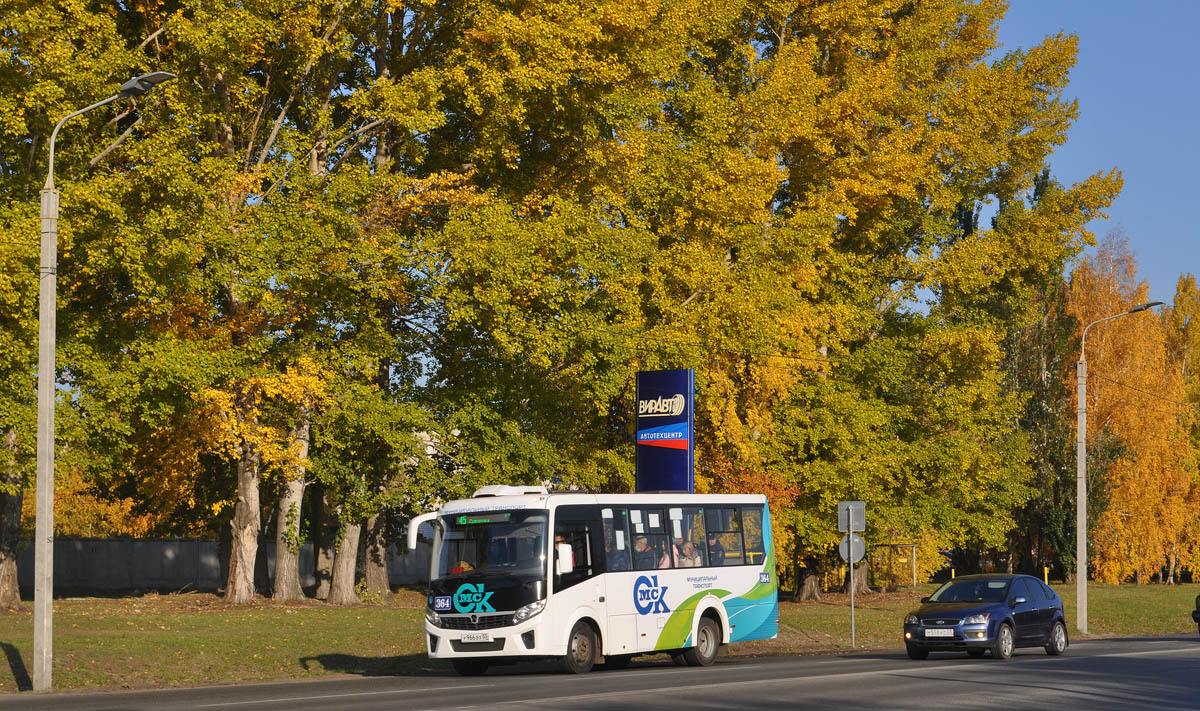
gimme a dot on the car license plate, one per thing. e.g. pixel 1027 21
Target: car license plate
pixel 939 633
pixel 476 637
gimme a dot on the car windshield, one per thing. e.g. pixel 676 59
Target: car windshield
pixel 971 591
pixel 491 541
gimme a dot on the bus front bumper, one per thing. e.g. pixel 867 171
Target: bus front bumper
pixel 523 639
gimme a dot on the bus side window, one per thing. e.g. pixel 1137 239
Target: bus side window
pixel 616 539
pixel 752 529
pixel 693 549
pixel 724 536
pixel 578 526
pixel 651 540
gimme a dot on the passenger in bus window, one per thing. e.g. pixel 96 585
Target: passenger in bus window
pixel 643 555
pixel 689 557
pixel 665 560
pixel 716 551
pixel 617 559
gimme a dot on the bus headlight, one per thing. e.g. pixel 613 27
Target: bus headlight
pixel 529 610
pixel 434 618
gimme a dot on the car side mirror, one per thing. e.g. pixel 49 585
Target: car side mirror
pixel 925 599
pixel 1017 601
pixel 564 559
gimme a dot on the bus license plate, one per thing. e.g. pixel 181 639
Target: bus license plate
pixel 939 633
pixel 476 637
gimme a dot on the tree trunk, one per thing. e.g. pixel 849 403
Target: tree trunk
pixel 810 588
pixel 10 528
pixel 375 572
pixel 861 584
pixel 324 534
pixel 287 522
pixel 342 590
pixel 1172 562
pixel 246 524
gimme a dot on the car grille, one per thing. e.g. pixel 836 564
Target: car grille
pixel 939 621
pixel 481 622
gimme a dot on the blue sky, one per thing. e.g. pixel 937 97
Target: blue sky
pixel 1137 80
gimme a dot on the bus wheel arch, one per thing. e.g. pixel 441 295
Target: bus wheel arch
pixel 712 607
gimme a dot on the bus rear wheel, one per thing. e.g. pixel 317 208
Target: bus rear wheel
pixel 469 667
pixel 708 643
pixel 581 649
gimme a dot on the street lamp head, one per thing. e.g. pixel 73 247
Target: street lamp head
pixel 140 85
pixel 1145 306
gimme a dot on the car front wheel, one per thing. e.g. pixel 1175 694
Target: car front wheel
pixel 1058 640
pixel 1003 647
pixel 917 652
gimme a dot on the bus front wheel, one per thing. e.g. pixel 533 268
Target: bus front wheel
pixel 708 641
pixel 581 649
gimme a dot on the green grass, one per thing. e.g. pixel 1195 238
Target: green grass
pixel 191 639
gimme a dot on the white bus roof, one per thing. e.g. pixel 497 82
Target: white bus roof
pixel 490 502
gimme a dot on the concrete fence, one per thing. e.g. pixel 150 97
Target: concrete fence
pixel 105 565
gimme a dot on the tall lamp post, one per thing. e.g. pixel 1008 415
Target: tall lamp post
pixel 1081 470
pixel 43 575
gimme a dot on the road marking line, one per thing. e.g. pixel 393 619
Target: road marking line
pixel 1148 652
pixel 727 684
pixel 338 696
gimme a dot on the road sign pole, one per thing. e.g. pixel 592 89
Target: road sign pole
pixel 852 641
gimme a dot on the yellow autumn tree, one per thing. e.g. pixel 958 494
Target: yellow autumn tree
pixel 1183 333
pixel 1135 395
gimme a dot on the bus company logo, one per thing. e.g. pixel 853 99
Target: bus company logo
pixel 649 598
pixel 472 598
pixel 662 407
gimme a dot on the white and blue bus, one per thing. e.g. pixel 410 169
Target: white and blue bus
pixel 521 573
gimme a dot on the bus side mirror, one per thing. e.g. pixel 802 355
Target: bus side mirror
pixel 564 559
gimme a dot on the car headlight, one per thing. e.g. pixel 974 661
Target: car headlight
pixel 529 610
pixel 912 620
pixel 434 618
pixel 976 619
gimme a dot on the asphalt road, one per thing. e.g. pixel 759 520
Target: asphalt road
pixel 1158 673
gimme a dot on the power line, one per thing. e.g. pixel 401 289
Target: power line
pixel 1144 392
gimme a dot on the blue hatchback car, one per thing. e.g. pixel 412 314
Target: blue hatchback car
pixel 981 613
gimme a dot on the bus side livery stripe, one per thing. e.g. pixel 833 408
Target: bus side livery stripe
pixel 678 629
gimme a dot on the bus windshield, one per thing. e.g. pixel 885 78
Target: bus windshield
pixel 472 543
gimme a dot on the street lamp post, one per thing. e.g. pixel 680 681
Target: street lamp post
pixel 43 564
pixel 1081 470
